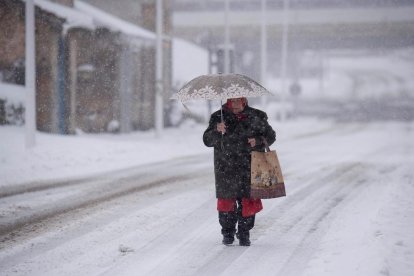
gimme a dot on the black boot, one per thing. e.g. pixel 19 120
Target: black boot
pixel 244 238
pixel 228 239
pixel 228 222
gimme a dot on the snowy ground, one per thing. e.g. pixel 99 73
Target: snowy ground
pixel 140 205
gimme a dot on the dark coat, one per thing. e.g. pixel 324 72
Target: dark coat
pixel 232 150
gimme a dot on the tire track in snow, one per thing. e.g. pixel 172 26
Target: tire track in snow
pixel 32 216
pixel 146 170
pixel 109 224
pixel 95 192
pixel 160 249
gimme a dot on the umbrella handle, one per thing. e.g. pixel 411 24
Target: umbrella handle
pixel 221 116
pixel 221 110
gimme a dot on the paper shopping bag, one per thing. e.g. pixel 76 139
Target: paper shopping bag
pixel 266 176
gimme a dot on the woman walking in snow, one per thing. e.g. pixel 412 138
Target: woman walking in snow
pixel 234 132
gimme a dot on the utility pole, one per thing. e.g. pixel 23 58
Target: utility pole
pixel 226 37
pixel 263 50
pixel 159 111
pixel 30 75
pixel 283 69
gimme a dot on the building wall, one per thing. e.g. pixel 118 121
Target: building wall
pixel 143 13
pixel 11 35
pixel 12 50
pixel 48 32
pixel 96 73
pixel 146 87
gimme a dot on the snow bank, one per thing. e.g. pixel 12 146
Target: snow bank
pixel 12 93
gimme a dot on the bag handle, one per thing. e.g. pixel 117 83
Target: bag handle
pixel 265 143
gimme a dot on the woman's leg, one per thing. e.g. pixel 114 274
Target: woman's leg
pixel 245 224
pixel 228 221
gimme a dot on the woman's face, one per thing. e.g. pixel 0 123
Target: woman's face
pixel 237 105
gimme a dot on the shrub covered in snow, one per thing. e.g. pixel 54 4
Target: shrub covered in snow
pixel 11 104
pixel 11 114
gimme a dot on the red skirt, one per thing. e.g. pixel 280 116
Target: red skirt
pixel 250 206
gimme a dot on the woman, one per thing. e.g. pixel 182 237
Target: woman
pixel 236 132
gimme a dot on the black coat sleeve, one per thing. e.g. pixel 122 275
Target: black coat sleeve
pixel 264 129
pixel 211 136
pixel 269 133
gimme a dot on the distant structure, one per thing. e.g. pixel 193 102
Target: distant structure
pixel 314 25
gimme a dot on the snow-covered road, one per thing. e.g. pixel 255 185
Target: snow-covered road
pixel 348 211
pixel 23 204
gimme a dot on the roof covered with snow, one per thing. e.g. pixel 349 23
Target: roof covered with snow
pixel 90 17
pixel 112 22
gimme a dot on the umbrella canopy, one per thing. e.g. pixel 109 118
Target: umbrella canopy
pixel 220 87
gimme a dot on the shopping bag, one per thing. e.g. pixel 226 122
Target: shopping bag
pixel 266 175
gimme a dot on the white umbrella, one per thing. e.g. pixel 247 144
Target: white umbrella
pixel 220 87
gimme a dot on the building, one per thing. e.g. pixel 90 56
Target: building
pixel 94 72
